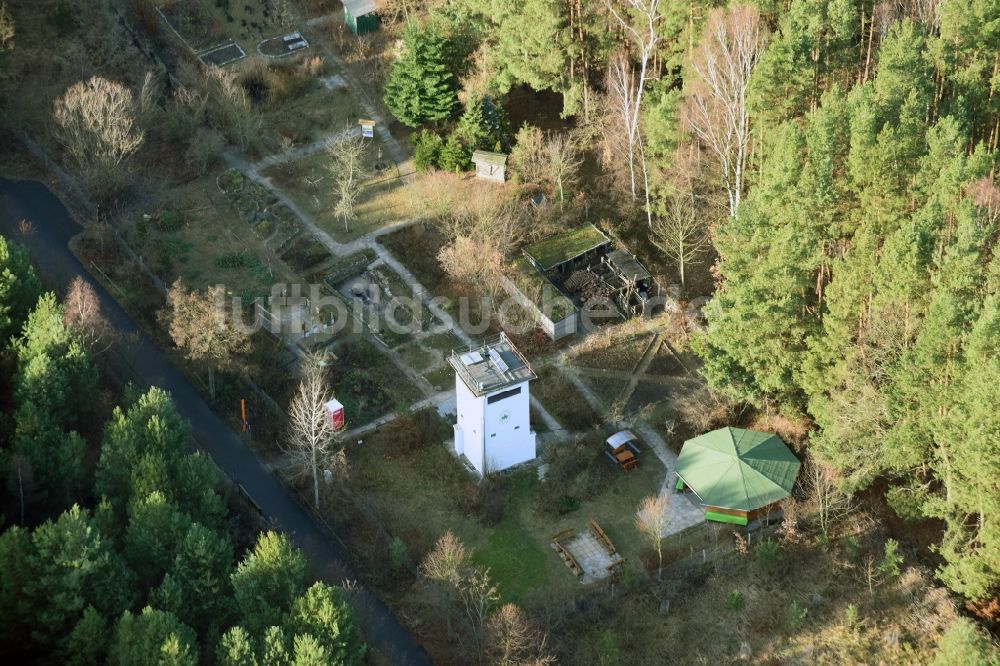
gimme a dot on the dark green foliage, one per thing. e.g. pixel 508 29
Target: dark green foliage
pixel 964 643
pixel 397 553
pixel 144 451
pixel 735 601
pixel 87 644
pixel 152 637
pixel 54 373
pixel 271 576
pixel 236 649
pixel 72 567
pixel 19 289
pixel 426 150
pixel 796 615
pixel 455 156
pixel 323 614
pixel 421 86
pixel 484 126
pixel 768 555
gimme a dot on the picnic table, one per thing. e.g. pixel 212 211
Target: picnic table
pixel 622 450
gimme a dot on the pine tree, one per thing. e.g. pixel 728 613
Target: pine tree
pixel 20 289
pixel 323 614
pixel 421 87
pixel 267 581
pixel 455 157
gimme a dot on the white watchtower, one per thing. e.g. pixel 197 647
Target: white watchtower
pixel 494 416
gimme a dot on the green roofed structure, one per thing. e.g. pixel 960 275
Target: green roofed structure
pixel 555 250
pixel 737 474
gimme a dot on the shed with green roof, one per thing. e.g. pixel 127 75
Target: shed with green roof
pixel 561 248
pixel 737 474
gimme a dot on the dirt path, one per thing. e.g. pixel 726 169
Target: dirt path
pixel 683 513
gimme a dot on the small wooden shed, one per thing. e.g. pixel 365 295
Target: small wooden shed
pixel 360 16
pixel 491 166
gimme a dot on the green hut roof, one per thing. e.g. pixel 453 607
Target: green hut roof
pixel 560 248
pixel 738 469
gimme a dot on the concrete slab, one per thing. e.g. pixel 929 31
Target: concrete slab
pixel 590 554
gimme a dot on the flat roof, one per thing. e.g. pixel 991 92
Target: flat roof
pixel 494 365
pixel 360 7
pixel 499 159
pixel 559 249
pixel 628 264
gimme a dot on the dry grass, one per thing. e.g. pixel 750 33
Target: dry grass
pixel 899 623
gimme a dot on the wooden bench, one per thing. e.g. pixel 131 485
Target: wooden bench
pixel 599 534
pixel 569 559
pixel 564 535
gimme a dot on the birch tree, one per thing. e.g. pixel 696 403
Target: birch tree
pixel 651 519
pixel 627 88
pixel 680 234
pixel 717 111
pixel 312 436
pixel 349 171
pixel 82 312
pixel 447 564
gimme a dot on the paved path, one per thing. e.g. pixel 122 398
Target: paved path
pixel 682 512
pixel 58 266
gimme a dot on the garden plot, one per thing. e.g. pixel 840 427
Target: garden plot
pixel 205 24
pixel 387 305
pixel 611 354
pixel 268 220
pixel 367 383
pixel 202 239
pixel 223 55
pixel 308 182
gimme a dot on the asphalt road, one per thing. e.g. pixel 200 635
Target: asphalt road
pixel 48 244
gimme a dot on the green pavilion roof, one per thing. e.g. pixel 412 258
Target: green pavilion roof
pixel 738 469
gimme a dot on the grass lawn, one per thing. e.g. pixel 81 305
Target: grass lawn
pixel 308 182
pixel 309 116
pixel 420 494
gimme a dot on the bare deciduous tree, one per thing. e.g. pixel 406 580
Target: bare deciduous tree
pixel 96 123
pixel 349 171
pixel 231 107
pixel 717 105
pixel 563 160
pixel 311 435
pixel 680 234
pixel 479 598
pixel 651 519
pixel 829 502
pixel 514 641
pixel 481 238
pixel 527 157
pixel 640 19
pixel 198 324
pixel 82 313
pixel 447 564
